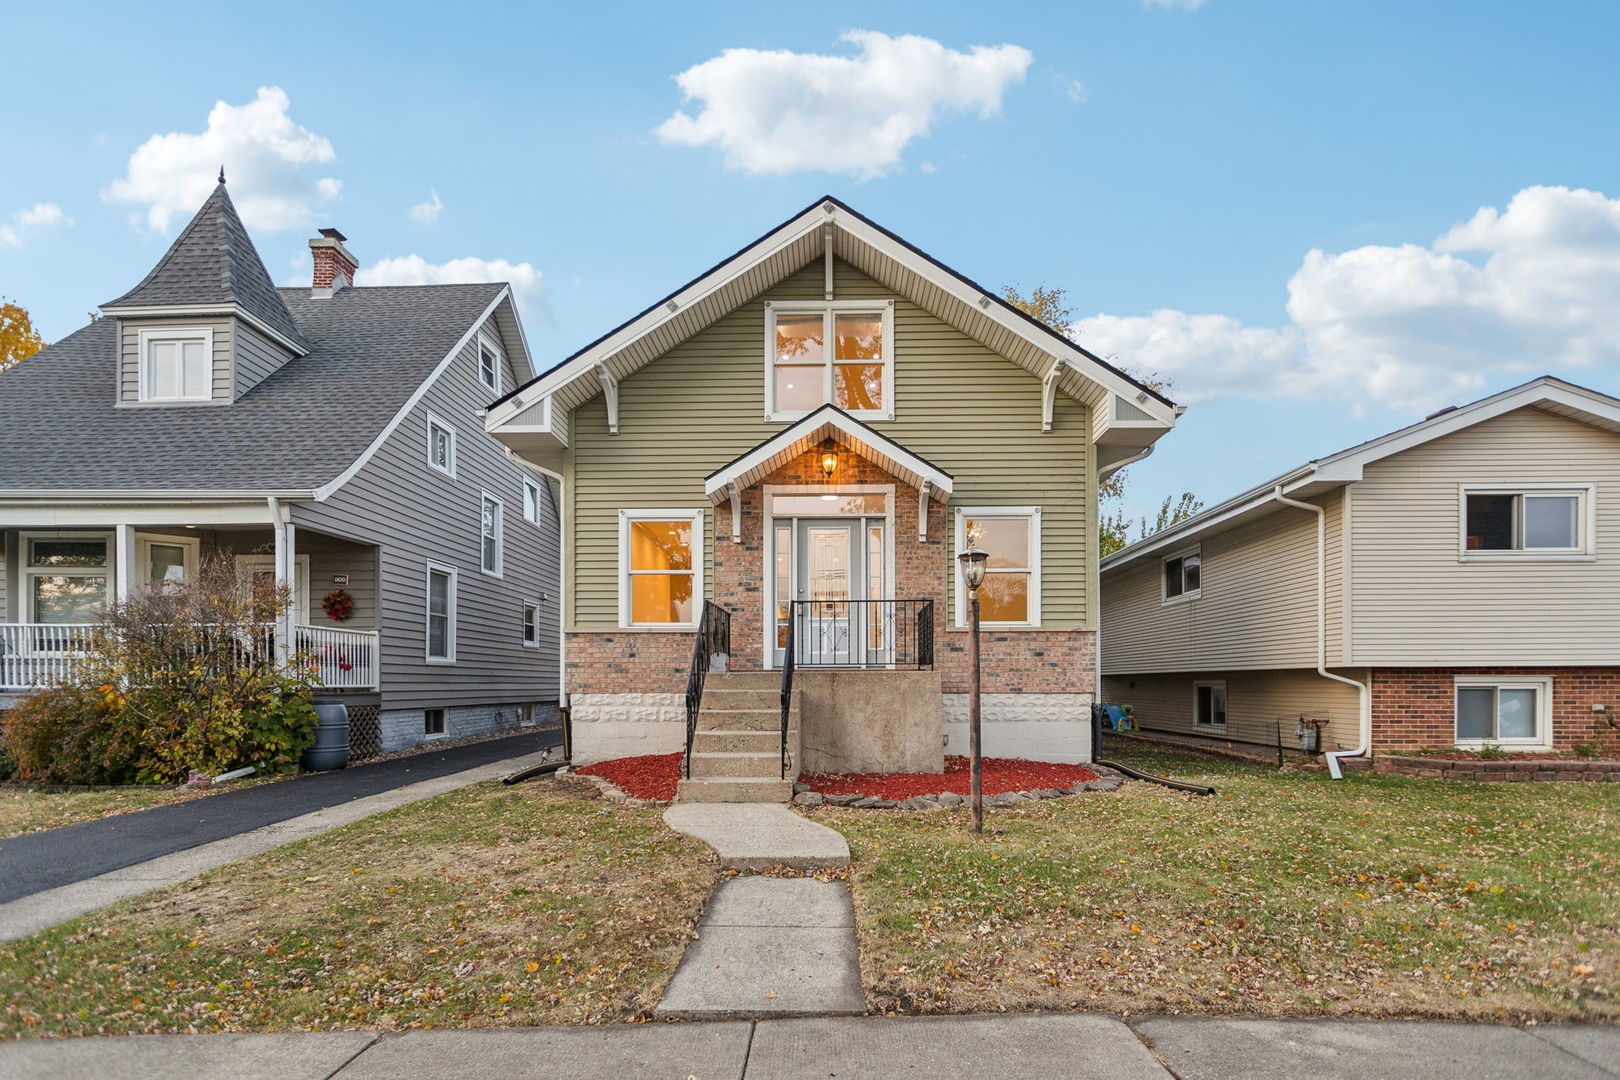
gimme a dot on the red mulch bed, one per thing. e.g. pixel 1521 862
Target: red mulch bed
pixel 654 776
pixel 1000 774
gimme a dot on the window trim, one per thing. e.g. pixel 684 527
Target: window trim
pixel 829 308
pixel 485 341
pixel 1226 704
pixel 1033 514
pixel 531 495
pixel 1541 684
pixel 444 724
pixel 1585 521
pixel 28 571
pixel 452 600
pixel 148 336
pixel 499 537
pixel 434 421
pixel 700 546
pixel 1185 594
pixel 531 622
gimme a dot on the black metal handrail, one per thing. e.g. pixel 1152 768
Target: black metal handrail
pixel 713 637
pixel 896 634
pixel 788 666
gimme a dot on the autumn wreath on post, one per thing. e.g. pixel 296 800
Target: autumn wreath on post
pixel 339 605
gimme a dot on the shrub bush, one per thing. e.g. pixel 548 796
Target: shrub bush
pixel 176 678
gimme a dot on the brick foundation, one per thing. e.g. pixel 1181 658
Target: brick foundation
pixel 1415 708
pixel 1501 771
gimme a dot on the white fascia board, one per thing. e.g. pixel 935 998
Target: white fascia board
pixel 114 496
pixel 1193 528
pixel 522 337
pixel 201 310
pixel 327 490
pixel 715 486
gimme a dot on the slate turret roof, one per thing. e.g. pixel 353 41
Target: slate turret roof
pixel 213 261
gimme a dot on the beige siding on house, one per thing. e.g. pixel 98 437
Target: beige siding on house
pixel 1257 702
pixel 1257 607
pixel 957 403
pixel 1415 602
pixel 129 351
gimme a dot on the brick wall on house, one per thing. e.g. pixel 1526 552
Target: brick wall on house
pixel 1415 708
pixel 1014 661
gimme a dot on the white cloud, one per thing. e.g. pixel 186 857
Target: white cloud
pixel 782 112
pixel 268 158
pixel 426 213
pixel 1077 92
pixel 528 285
pixel 1411 327
pixel 14 231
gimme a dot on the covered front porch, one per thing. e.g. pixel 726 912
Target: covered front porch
pixel 62 564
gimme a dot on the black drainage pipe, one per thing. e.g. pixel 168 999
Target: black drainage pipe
pixel 1137 774
pixel 534 770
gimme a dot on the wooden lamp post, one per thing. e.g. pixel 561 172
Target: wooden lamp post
pixel 972 562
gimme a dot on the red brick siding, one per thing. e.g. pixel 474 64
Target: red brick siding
pixel 1415 708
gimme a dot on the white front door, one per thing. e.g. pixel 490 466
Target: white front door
pixel 263 571
pixel 839 620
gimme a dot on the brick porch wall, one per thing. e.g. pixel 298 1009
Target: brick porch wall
pixel 1415 708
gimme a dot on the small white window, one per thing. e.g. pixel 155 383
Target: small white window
pixel 492 535
pixel 1209 704
pixel 441 446
pixel 660 567
pixel 531 625
pixel 1525 521
pixel 433 722
pixel 1183 575
pixel 489 364
pixel 1512 712
pixel 531 501
pixel 1011 593
pixel 441 615
pixel 177 365
pixel 837 352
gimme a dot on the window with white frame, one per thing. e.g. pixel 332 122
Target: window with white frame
pixel 1011 536
pixel 1526 520
pixel 1509 711
pixel 441 446
pixel 531 501
pixel 67 577
pixel 821 352
pixel 176 365
pixel 1183 575
pixel 492 535
pixel 489 364
pixel 441 615
pixel 660 567
pixel 1209 704
pixel 531 625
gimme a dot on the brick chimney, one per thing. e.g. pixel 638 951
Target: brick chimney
pixel 334 265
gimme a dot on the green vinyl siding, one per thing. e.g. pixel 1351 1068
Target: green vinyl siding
pixel 958 404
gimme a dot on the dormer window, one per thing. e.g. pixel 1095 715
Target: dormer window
pixel 837 352
pixel 177 364
pixel 489 365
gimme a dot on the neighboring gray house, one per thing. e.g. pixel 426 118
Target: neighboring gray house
pixel 329 437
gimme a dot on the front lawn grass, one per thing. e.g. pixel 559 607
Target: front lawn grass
pixel 1287 893
pixel 490 906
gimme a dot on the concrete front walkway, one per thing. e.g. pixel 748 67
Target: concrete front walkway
pixel 42 910
pixel 756 836
pixel 1022 1047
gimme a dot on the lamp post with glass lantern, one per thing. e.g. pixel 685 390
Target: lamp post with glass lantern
pixel 972 561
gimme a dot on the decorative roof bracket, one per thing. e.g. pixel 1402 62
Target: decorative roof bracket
pixel 610 391
pixel 1049 386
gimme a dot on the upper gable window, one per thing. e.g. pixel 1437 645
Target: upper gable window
pixel 177 365
pixel 489 364
pixel 829 352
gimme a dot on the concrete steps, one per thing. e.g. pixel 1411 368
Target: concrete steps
pixel 737 742
pixel 737 747
pixel 733 790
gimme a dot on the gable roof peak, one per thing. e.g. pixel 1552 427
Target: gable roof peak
pixel 213 262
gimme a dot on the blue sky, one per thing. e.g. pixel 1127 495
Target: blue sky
pixel 1176 158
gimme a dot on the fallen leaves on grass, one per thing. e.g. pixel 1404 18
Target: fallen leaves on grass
pixel 1000 774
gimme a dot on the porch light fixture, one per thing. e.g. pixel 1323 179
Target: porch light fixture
pixel 829 462
pixel 972 562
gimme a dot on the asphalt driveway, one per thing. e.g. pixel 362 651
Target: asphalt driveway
pixel 37 861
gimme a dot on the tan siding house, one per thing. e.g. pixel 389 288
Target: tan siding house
pixel 794 447
pixel 1470 575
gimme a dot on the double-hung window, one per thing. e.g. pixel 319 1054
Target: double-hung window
pixel 67 577
pixel 1509 711
pixel 176 365
pixel 1183 575
pixel 489 365
pixel 660 567
pixel 441 446
pixel 492 535
pixel 1530 520
pixel 837 351
pixel 1209 704
pixel 441 615
pixel 1011 535
pixel 531 625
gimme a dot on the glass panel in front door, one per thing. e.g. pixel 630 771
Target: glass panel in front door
pixel 827 585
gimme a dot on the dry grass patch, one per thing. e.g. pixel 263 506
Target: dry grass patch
pixel 486 907
pixel 1286 894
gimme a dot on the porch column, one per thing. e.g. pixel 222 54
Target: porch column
pixel 123 562
pixel 285 562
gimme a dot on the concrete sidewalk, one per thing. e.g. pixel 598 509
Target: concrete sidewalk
pixel 1070 1046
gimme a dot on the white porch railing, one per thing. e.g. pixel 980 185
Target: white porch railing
pixel 33 655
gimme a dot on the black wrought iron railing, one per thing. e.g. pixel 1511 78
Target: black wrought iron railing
pixel 896 634
pixel 788 666
pixel 713 639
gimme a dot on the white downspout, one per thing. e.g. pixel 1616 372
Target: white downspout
pixel 1365 725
